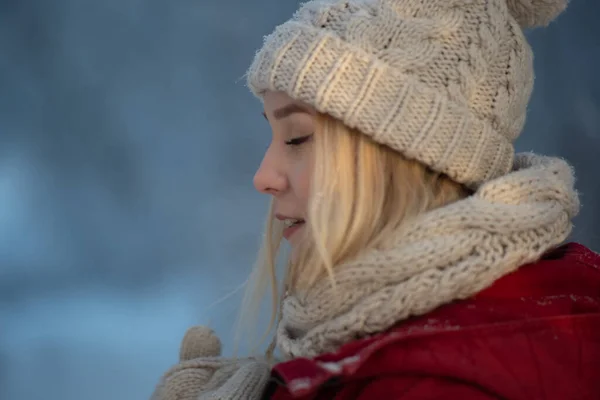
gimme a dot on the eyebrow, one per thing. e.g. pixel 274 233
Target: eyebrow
pixel 288 110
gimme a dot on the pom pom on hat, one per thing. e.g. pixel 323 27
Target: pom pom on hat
pixel 535 13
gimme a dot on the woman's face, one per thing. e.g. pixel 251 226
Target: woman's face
pixel 285 171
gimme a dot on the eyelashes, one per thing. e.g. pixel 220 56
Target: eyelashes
pixel 299 140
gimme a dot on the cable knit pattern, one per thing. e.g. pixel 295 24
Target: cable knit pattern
pixel 445 82
pixel 447 254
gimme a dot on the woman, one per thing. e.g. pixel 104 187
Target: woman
pixel 426 258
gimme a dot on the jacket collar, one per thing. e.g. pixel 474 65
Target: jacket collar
pixel 565 279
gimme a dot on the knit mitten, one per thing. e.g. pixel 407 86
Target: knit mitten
pixel 202 374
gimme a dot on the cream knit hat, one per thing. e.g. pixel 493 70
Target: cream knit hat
pixel 445 82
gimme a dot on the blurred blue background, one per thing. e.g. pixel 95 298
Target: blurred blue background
pixel 128 143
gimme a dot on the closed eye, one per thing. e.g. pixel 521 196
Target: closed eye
pixel 299 140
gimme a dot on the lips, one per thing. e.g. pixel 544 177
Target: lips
pixel 292 221
pixel 292 229
pixel 292 224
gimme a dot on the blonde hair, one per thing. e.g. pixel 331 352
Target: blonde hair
pixel 361 192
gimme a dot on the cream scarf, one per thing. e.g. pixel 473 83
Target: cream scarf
pixel 446 254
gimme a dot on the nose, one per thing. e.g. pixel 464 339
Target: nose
pixel 270 177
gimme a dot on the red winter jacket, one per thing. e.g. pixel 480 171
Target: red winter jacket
pixel 534 334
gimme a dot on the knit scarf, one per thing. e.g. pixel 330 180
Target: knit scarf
pixel 446 254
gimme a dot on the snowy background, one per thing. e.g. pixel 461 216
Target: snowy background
pixel 128 143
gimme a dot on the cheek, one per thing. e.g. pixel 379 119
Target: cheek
pixel 302 181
